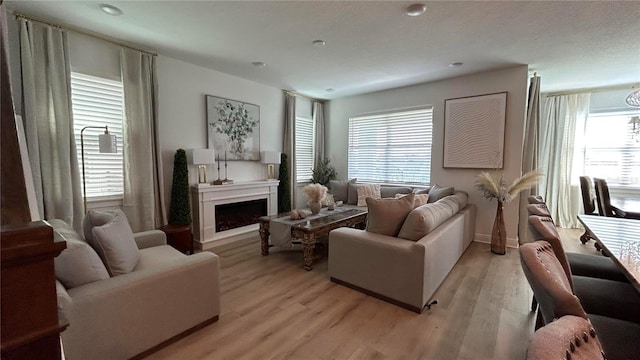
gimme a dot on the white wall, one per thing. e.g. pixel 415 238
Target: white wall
pixel 182 116
pixel 512 80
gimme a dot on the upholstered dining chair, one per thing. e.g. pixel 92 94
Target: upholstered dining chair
pixel 600 296
pixel 604 202
pixel 589 205
pixel 547 277
pixel 569 337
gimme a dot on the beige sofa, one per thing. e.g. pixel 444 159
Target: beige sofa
pixel 406 272
pixel 167 294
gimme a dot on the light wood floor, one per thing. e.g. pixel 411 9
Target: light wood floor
pixel 273 309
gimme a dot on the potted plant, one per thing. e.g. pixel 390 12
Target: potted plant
pixel 179 210
pixel 323 173
pixel 284 187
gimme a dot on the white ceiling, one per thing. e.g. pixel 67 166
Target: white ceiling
pixel 373 45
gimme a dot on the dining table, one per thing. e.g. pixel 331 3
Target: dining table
pixel 620 238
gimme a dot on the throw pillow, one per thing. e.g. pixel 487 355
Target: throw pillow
pixel 422 220
pixel 352 193
pixel 96 218
pixel 116 246
pixel 78 264
pixel 386 216
pixel 437 192
pixel 339 189
pixel 367 190
pixel 418 199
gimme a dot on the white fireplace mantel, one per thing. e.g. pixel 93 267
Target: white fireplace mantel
pixel 204 201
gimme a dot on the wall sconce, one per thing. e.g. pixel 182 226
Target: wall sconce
pixel 270 158
pixel 202 158
pixel 107 144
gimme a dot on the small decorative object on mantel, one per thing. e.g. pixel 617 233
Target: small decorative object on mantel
pixel 493 186
pixel 226 181
pixel 315 193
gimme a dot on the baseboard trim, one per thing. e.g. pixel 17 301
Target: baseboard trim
pixel 486 239
pixel 183 334
pixel 378 296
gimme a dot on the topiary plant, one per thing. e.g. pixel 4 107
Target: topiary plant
pixel 323 173
pixel 179 210
pixel 284 187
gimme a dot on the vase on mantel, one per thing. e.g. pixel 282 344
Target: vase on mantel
pixel 315 206
pixel 499 233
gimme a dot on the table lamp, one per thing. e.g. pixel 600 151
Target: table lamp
pixel 107 144
pixel 202 158
pixel 270 158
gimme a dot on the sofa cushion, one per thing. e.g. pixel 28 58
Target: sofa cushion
pixel 339 189
pixel 392 191
pixel 78 264
pixel 352 196
pixel 367 190
pixel 116 246
pixel 386 216
pixel 96 218
pixel 418 199
pixel 437 192
pixel 422 220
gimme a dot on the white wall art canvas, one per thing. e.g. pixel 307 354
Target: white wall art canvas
pixel 474 131
pixel 233 128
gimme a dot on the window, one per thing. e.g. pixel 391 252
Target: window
pixel 611 149
pixel 305 144
pixel 98 102
pixel 391 147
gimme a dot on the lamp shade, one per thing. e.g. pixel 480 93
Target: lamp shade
pixel 107 143
pixel 202 156
pixel 270 157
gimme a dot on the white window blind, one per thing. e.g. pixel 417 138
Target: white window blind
pixel 393 147
pixel 611 150
pixel 305 137
pixel 98 102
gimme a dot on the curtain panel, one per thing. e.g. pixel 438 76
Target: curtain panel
pixel 529 154
pixel 49 123
pixel 317 115
pixel 289 143
pixel 142 198
pixel 561 116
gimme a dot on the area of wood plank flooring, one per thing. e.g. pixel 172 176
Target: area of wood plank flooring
pixel 273 309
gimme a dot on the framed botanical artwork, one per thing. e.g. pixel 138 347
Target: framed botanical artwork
pixel 233 128
pixel 474 131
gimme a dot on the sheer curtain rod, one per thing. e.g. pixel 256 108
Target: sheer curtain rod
pixel 299 95
pixel 68 28
pixel 593 90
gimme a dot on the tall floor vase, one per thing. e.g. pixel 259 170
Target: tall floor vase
pixel 499 233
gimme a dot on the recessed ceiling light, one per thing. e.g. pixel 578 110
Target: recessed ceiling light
pixel 416 9
pixel 258 64
pixel 110 9
pixel 329 90
pixel 456 64
pixel 319 43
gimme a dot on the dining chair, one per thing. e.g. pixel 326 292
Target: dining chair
pixel 598 295
pixel 604 202
pixel 589 205
pixel 569 337
pixel 552 288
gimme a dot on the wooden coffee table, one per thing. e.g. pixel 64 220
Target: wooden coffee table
pixel 308 233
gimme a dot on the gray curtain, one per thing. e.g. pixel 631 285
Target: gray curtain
pixel 317 114
pixel 142 198
pixel 561 115
pixel 49 123
pixel 289 145
pixel 529 153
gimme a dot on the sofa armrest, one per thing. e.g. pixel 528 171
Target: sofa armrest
pixel 150 238
pixel 385 265
pixel 155 304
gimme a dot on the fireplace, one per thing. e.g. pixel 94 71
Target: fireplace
pixel 211 205
pixel 239 214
